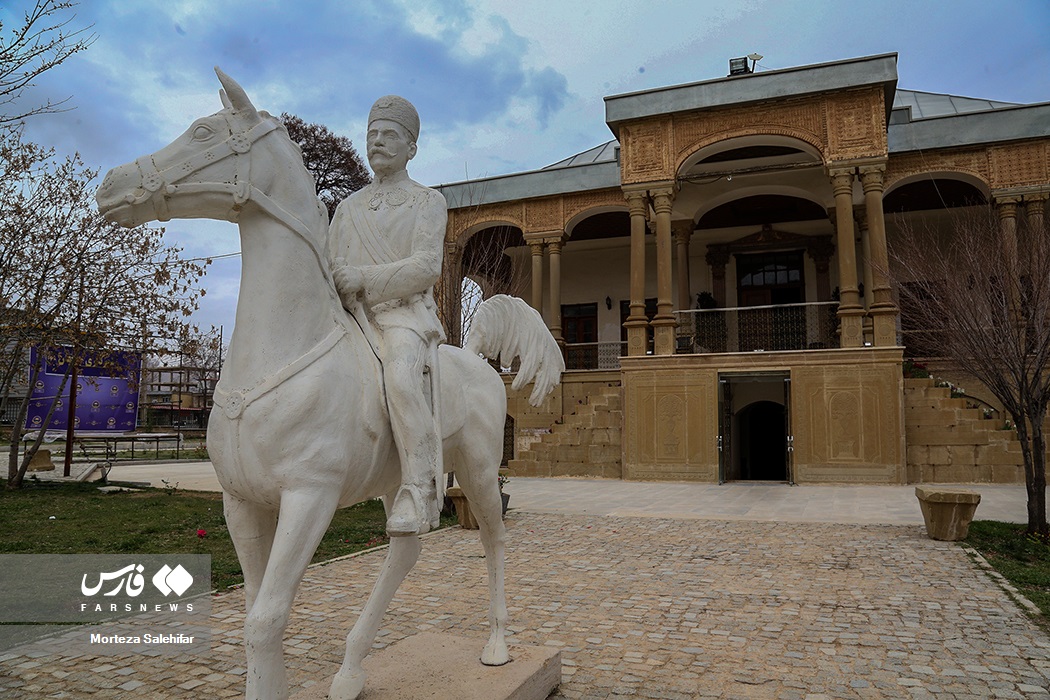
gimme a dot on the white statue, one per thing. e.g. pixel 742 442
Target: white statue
pixel 386 242
pixel 300 426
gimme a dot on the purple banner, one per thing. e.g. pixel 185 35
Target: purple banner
pixel 107 392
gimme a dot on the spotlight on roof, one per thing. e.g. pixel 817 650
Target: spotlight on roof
pixel 738 66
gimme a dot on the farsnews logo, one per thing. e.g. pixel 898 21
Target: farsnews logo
pixel 131 581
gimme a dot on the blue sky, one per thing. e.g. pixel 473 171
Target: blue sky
pixel 500 86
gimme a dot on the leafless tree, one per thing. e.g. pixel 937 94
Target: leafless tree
pixel 332 159
pixel 980 296
pixel 45 38
pixel 68 278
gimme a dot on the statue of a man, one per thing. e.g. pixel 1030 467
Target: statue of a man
pixel 385 245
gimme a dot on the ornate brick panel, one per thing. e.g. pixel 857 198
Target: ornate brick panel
pixel 857 124
pixel 1019 164
pixel 645 151
pixel 544 214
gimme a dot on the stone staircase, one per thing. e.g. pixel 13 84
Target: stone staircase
pixel 951 443
pixel 585 443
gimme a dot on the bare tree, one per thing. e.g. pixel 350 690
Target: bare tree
pixel 70 279
pixel 44 40
pixel 332 159
pixel 981 297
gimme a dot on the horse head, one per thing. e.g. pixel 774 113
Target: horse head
pixel 214 170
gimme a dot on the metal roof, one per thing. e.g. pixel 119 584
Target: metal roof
pixel 926 105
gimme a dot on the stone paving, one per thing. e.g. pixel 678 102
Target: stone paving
pixel 647 608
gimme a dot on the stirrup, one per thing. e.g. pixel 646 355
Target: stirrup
pixel 410 513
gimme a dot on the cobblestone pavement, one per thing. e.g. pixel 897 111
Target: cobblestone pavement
pixel 647 608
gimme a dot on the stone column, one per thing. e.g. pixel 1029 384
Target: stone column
pixel 1007 210
pixel 718 257
pixel 821 250
pixel 683 231
pixel 664 322
pixel 637 324
pixel 851 313
pixel 554 253
pixel 452 293
pixel 883 310
pixel 1035 209
pixel 536 246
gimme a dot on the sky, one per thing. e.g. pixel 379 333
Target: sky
pixel 500 86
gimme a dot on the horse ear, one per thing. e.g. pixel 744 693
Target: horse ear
pixel 225 100
pixel 235 94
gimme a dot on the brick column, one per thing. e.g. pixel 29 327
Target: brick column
pixel 637 324
pixel 851 313
pixel 452 293
pixel 664 322
pixel 883 310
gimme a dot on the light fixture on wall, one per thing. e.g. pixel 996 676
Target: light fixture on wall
pixel 608 303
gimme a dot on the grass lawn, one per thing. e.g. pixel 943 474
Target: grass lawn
pixel 154 521
pixel 1023 561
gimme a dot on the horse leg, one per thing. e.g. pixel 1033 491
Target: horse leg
pixel 304 517
pixel 478 476
pixel 400 558
pixel 251 528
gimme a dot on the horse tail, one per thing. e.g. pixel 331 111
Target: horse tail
pixel 506 328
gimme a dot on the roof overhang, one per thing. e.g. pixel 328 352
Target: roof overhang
pixel 1000 125
pixel 755 87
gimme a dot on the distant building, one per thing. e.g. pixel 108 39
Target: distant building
pixel 714 275
pixel 178 396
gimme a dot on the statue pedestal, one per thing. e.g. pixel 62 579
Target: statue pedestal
pixel 435 666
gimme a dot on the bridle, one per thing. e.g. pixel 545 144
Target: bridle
pixel 160 185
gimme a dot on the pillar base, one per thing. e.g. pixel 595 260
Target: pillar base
pixel 637 336
pixel 664 330
pixel 884 325
pixel 851 327
pixel 439 666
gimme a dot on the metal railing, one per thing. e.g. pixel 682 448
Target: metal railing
pixel 605 355
pixel 810 326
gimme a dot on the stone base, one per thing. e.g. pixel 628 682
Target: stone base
pixel 432 666
pixel 947 512
pixel 41 461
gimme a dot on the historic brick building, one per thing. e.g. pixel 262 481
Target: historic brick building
pixel 716 273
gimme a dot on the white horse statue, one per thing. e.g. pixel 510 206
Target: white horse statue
pixel 300 426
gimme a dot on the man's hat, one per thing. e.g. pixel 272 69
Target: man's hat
pixel 398 110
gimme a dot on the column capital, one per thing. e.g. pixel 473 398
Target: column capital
pixel 1036 197
pixel 1007 206
pixel 871 177
pixel 841 181
pixel 555 243
pixel 860 215
pixel 453 250
pixel 682 230
pixel 637 200
pixel 663 199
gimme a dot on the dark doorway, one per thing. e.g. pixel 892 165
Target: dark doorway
pixel 754 426
pixel 763 442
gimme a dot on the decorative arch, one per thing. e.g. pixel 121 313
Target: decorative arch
pixel 971 178
pixel 745 192
pixel 801 139
pixel 581 216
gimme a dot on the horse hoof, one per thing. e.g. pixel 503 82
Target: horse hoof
pixel 495 654
pixel 347 686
